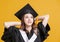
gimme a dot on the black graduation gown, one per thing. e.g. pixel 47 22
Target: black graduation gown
pixel 12 34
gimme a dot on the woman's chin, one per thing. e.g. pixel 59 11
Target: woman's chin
pixel 29 24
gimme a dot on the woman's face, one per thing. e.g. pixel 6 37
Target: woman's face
pixel 28 19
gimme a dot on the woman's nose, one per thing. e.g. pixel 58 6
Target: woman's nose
pixel 29 19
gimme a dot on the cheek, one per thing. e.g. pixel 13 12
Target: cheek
pixel 32 20
pixel 25 20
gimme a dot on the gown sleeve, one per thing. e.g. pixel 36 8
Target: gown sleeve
pixel 43 30
pixel 7 34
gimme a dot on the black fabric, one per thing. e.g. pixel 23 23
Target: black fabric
pixel 29 34
pixel 26 9
pixel 12 34
pixel 43 30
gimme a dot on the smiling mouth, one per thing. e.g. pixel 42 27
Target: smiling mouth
pixel 29 22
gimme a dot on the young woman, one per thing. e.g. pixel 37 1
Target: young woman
pixel 29 31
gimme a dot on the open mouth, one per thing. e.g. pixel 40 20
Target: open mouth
pixel 29 22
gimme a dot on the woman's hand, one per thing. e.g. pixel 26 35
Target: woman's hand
pixel 44 19
pixel 8 24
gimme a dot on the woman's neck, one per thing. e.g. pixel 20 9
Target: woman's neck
pixel 28 28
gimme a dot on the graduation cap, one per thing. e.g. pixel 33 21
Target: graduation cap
pixel 26 9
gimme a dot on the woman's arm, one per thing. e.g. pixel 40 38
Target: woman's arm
pixel 44 19
pixel 8 24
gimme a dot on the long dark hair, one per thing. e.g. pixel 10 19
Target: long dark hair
pixel 34 26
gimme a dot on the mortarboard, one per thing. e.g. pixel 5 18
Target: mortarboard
pixel 26 9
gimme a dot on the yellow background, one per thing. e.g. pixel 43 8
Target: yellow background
pixel 52 7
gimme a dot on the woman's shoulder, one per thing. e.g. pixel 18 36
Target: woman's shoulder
pixel 11 28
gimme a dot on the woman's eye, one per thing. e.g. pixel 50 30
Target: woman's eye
pixel 31 17
pixel 26 17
